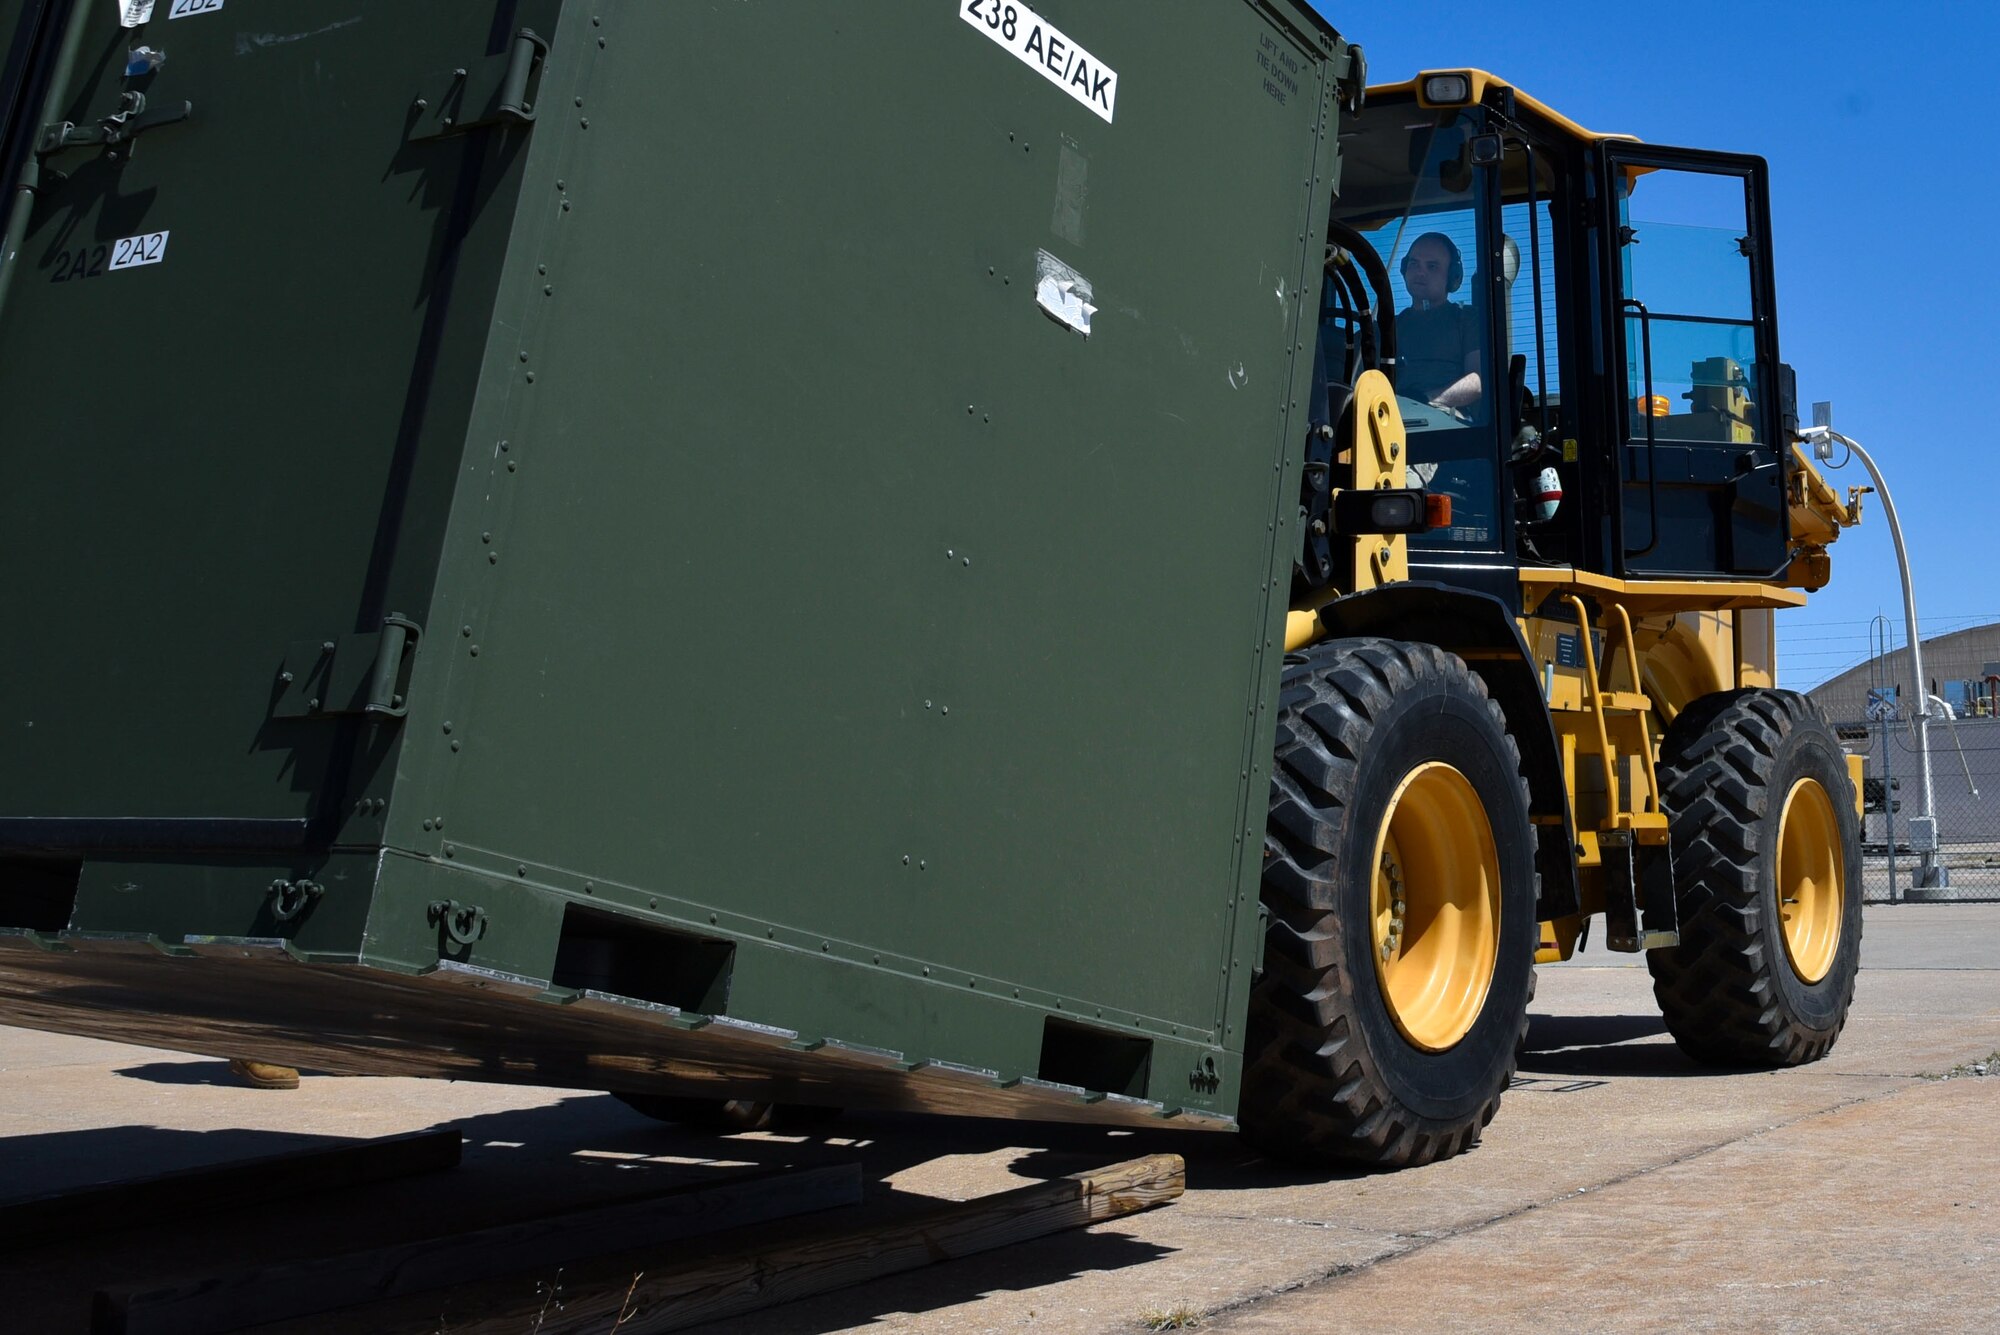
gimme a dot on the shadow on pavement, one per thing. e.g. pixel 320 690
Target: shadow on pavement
pixel 1027 1265
pixel 190 1073
pixel 580 1153
pixel 1603 1046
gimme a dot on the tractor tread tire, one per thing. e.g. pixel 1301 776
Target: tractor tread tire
pixel 1727 992
pixel 1313 1089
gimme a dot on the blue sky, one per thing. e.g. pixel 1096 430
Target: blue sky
pixel 1885 196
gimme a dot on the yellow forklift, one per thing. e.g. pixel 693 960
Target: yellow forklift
pixel 1553 502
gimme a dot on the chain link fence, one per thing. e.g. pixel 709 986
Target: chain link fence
pixel 1965 785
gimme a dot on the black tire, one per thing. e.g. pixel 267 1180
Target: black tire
pixel 1329 1073
pixel 1731 992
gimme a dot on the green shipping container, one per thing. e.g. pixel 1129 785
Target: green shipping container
pixel 682 548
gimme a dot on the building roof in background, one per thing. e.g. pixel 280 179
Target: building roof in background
pixel 1962 656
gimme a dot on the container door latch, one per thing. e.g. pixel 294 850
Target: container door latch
pixel 496 90
pixel 132 119
pixel 355 674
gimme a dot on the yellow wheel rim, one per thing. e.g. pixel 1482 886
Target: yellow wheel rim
pixel 1810 874
pixel 1435 906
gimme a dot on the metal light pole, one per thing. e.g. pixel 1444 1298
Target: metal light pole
pixel 1923 829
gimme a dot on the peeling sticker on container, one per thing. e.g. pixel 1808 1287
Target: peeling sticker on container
pixel 187 9
pixel 1037 43
pixel 1063 293
pixel 132 13
pixel 134 251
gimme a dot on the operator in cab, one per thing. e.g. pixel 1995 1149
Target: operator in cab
pixel 1437 339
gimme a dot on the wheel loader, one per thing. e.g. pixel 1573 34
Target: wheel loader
pixel 1069 562
pixel 1531 637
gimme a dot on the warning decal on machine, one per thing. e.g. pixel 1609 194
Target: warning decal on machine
pixel 1059 60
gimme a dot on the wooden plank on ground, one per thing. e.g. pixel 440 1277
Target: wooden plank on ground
pixel 639 1293
pixel 266 1294
pixel 191 1191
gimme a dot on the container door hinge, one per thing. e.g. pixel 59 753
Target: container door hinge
pixel 494 90
pixel 356 674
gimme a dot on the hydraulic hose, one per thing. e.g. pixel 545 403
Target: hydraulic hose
pixel 1378 277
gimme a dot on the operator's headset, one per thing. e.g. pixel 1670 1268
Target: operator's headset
pixel 1454 277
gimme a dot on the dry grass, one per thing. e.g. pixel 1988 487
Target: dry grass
pixel 1181 1316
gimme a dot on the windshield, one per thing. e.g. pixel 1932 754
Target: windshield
pixel 1410 190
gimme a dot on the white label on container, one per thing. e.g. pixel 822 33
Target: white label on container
pixel 132 13
pixel 1036 41
pixel 187 9
pixel 134 251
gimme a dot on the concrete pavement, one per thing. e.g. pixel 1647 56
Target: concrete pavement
pixel 1621 1187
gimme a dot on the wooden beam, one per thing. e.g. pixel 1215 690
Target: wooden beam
pixel 190 1191
pixel 253 1297
pixel 638 1293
